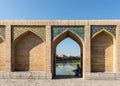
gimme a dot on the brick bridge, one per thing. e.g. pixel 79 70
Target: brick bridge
pixel 28 48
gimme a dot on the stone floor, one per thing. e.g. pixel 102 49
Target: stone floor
pixel 58 82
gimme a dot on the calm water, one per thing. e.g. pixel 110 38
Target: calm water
pixel 66 68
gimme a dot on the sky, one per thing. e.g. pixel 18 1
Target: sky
pixel 68 47
pixel 60 10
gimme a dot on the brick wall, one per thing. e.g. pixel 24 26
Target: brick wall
pixel 29 53
pixel 102 53
pixel 2 55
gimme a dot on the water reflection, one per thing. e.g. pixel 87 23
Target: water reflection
pixel 65 68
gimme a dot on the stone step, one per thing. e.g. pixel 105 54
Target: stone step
pixel 58 82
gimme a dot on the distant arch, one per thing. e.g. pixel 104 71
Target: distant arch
pixel 2 55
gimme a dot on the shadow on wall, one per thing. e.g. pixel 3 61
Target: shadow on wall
pixel 102 53
pixel 2 55
pixel 27 52
pixel 1 40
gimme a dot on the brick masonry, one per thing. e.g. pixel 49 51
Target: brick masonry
pixel 33 50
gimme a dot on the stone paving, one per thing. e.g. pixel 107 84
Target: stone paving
pixel 58 82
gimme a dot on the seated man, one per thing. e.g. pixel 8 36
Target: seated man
pixel 77 71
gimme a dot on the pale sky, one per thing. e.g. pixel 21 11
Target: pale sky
pixel 68 47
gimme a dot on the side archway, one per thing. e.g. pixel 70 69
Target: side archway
pixel 28 53
pixel 60 38
pixel 2 55
pixel 102 45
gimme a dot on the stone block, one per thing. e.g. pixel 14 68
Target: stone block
pixel 117 76
pixel 107 76
pixel 95 76
pixel 48 76
pixel 87 76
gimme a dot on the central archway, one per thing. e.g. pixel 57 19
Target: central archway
pixel 60 38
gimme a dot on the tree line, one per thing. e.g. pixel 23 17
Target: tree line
pixel 67 59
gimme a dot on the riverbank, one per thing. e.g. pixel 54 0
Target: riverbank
pixel 67 59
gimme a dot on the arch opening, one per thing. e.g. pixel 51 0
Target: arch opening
pixel 58 40
pixel 26 54
pixel 102 52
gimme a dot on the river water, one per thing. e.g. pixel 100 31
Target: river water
pixel 66 68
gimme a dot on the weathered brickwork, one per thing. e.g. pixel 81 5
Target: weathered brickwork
pixel 102 53
pixel 30 53
pixel 28 48
pixel 2 55
pixel 2 49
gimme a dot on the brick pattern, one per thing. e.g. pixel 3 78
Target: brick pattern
pixel 48 49
pixel 2 55
pixel 102 53
pixel 8 48
pixel 30 53
pixel 20 27
pixel 2 49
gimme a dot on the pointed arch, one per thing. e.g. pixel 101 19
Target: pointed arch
pixel 104 30
pixel 102 46
pixel 24 33
pixel 58 39
pixel 24 49
pixel 65 34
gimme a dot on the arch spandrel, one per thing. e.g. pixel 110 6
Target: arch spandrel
pixel 105 31
pixel 107 28
pixel 65 34
pixel 56 30
pixel 38 30
pixel 2 32
pixel 23 34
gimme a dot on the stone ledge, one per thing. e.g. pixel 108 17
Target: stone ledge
pixel 48 76
pixel 102 76
pixel 25 75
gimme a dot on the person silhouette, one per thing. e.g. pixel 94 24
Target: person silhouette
pixel 77 71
